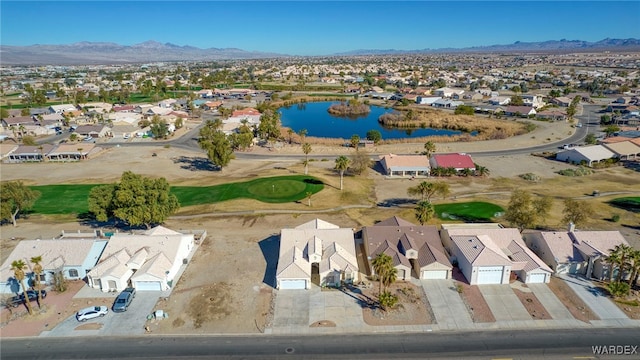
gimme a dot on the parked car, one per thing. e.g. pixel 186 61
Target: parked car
pixel 123 300
pixel 91 312
pixel 32 295
pixel 88 138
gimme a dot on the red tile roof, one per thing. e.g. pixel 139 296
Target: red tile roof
pixel 458 161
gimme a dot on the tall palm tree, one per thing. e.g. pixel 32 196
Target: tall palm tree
pixel 634 258
pixel 37 271
pixel 612 261
pixel 424 211
pixel 382 265
pixel 422 189
pixel 429 149
pixel 306 149
pixel 342 164
pixel 18 267
pixel 481 170
pixel 622 253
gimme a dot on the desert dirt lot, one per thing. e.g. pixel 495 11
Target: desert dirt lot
pixel 227 288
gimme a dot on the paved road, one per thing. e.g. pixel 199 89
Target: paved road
pixel 521 344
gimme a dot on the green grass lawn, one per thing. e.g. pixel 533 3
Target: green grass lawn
pixel 627 203
pixel 278 189
pixel 72 199
pixel 469 211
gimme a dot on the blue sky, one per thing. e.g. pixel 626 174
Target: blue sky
pixel 316 27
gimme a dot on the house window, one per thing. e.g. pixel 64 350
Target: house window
pixel 73 273
pixel 40 277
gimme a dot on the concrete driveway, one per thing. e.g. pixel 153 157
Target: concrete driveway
pixel 130 322
pixel 548 299
pixel 296 310
pixel 596 300
pixel 504 304
pixel 447 305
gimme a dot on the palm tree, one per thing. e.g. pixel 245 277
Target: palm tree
pixel 423 189
pixel 612 260
pixel 429 149
pixel 481 170
pixel 634 258
pixel 622 253
pixel 37 271
pixel 302 133
pixel 382 265
pixel 424 211
pixel 306 149
pixel 342 164
pixel 18 267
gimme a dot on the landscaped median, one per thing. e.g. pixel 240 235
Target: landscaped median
pixel 72 199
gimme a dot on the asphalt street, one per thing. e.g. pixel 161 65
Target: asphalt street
pixel 520 344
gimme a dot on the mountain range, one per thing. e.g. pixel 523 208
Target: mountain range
pixel 153 51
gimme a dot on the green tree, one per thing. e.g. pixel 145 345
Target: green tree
pixel 25 112
pixel 342 164
pixel 136 200
pixel 18 267
pixel 215 143
pixel 611 129
pixel 355 141
pixel 303 134
pixel 622 253
pixel 159 128
pixel 29 140
pixel 524 212
pixel 16 198
pixel 590 139
pixel 424 211
pixel 464 110
pixel 429 149
pixel 516 100
pixel 576 211
pixel 481 170
pixel 306 149
pixel 374 135
pixel 37 272
pixel 4 113
pixel 100 201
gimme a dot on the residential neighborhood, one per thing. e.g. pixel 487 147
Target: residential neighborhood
pixel 389 233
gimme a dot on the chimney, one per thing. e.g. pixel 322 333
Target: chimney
pixel 572 227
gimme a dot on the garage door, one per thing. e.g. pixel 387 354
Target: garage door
pixel 148 286
pixel 490 275
pixel 537 278
pixel 293 284
pixel 434 274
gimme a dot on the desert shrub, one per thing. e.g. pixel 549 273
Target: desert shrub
pixel 615 217
pixel 530 177
pixel 618 288
pixel 387 300
pixel 581 171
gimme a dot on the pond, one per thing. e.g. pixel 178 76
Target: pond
pixel 319 123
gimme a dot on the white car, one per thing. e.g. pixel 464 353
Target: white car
pixel 91 312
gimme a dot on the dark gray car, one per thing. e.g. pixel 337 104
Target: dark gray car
pixel 123 300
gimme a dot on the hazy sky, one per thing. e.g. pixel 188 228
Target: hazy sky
pixel 316 27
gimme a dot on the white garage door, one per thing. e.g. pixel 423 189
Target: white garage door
pixel 148 286
pixel 434 274
pixel 490 275
pixel 537 278
pixel 293 284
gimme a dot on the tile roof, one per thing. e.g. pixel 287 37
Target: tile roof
pixel 458 161
pixel 399 234
pixel 623 148
pixel 480 250
pixel 157 267
pixel 335 245
pixel 54 252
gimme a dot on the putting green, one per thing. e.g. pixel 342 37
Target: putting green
pixel 276 189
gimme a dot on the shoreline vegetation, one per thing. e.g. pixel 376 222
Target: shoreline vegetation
pixel 349 108
pixel 415 117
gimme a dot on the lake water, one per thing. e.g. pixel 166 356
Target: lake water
pixel 319 123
